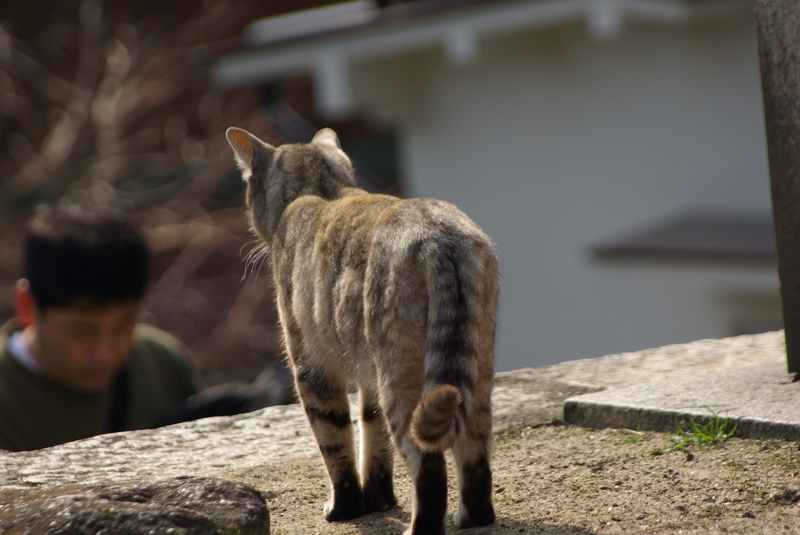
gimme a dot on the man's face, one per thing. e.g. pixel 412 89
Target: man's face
pixel 84 348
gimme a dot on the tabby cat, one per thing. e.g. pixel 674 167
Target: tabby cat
pixel 396 296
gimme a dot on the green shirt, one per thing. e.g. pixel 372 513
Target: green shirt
pixel 36 412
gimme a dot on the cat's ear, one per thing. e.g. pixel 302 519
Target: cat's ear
pixel 247 148
pixel 328 137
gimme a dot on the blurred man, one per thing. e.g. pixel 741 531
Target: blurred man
pixel 75 363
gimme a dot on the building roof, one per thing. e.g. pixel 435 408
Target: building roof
pixel 324 41
pixel 697 236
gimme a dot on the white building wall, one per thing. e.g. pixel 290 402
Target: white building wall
pixel 554 141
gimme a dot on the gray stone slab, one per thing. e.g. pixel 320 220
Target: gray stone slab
pixel 761 399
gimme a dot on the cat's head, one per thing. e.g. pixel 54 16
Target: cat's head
pixel 276 176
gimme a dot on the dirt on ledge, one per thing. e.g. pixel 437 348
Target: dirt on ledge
pixel 559 479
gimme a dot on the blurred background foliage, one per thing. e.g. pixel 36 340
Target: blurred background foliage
pixel 105 101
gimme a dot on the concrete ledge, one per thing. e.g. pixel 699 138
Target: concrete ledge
pixel 761 400
pixel 214 446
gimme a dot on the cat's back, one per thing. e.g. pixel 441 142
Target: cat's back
pixel 359 225
pixel 423 218
pixel 332 226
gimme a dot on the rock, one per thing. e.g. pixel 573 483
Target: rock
pixel 178 506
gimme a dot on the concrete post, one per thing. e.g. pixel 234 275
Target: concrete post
pixel 778 24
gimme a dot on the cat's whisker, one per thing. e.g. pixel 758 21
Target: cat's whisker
pixel 255 258
pixel 253 245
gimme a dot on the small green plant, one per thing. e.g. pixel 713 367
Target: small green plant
pixel 635 436
pixel 733 472
pixel 714 432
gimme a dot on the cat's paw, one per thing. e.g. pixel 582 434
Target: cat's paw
pixel 374 501
pixel 483 516
pixel 344 508
pixel 379 494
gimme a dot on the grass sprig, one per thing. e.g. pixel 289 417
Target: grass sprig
pixel 714 432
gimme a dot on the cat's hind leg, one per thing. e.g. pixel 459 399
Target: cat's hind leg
pixel 324 399
pixel 377 455
pixel 471 453
pixel 429 474
pixel 428 469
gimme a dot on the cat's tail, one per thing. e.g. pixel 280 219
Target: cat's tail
pixel 433 422
pixel 460 337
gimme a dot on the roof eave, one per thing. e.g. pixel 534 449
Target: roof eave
pixel 327 56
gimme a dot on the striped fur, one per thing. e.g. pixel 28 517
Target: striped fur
pixel 396 296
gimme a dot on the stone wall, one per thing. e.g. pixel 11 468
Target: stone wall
pixel 214 446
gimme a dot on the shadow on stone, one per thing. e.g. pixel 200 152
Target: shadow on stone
pixel 183 505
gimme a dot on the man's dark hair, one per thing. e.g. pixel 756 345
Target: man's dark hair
pixel 84 255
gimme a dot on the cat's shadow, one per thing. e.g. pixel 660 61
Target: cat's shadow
pixel 395 521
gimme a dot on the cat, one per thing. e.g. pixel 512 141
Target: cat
pixel 398 296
